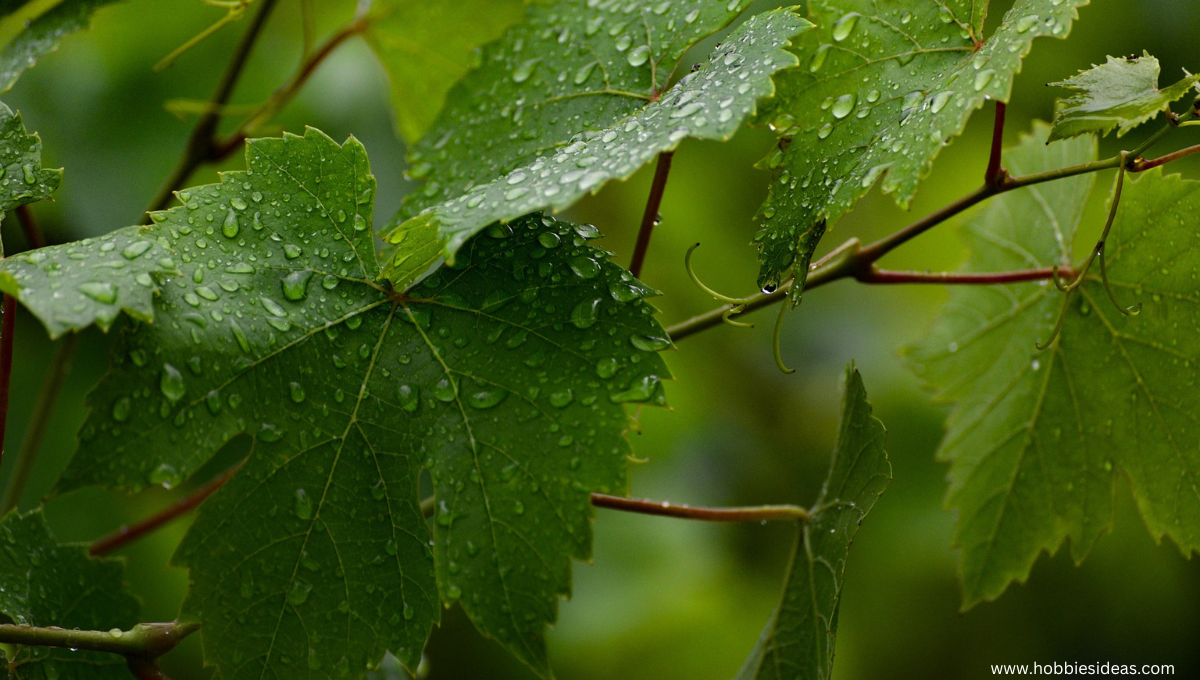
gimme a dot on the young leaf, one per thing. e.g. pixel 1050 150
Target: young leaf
pixel 30 37
pixel 504 376
pixel 709 103
pixel 427 46
pixel 797 643
pixel 47 583
pixel 1120 94
pixel 73 286
pixel 880 90
pixel 1037 439
pixel 22 179
pixel 572 67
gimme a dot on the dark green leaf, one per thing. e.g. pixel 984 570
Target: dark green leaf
pixel 574 66
pixel 22 179
pixel 709 103
pixel 881 88
pixel 47 583
pixel 1120 94
pixel 798 642
pixel 1038 439
pixel 27 36
pixel 504 377
pixel 429 45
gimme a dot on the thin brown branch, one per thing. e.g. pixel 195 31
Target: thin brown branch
pixel 995 173
pixel 132 532
pixel 33 235
pixel 7 328
pixel 651 215
pixel 761 513
pixel 1142 165
pixel 882 276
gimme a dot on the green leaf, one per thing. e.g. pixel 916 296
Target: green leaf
pixel 797 643
pixel 22 179
pixel 29 31
pixel 47 583
pixel 880 90
pixel 709 103
pixel 504 376
pixel 73 286
pixel 427 46
pixel 572 67
pixel 1037 440
pixel 1120 94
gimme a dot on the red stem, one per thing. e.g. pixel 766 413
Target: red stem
pixel 959 278
pixel 1143 165
pixel 650 216
pixel 131 532
pixel 33 235
pixel 7 329
pixel 994 173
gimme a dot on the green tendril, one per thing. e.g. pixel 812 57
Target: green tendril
pixel 736 309
pixel 775 341
pixel 1127 311
pixel 687 264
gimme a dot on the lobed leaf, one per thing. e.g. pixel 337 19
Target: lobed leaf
pixel 1037 439
pixel 882 87
pixel 47 583
pixel 798 642
pixel 427 46
pixel 1119 94
pixel 573 66
pixel 22 178
pixel 504 376
pixel 709 103
pixel 28 36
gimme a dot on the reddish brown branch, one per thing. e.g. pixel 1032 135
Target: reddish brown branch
pixel 881 276
pixel 33 235
pixel 7 328
pixel 994 174
pixel 131 532
pixel 761 513
pixel 1142 165
pixel 650 216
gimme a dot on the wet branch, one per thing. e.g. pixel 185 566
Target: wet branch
pixel 760 513
pixel 651 216
pixel 141 645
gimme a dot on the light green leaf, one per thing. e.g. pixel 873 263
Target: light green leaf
pixel 798 642
pixel 73 286
pixel 47 583
pixel 1037 440
pixel 709 103
pixel 572 67
pixel 22 179
pixel 504 376
pixel 881 88
pixel 426 46
pixel 31 30
pixel 1120 94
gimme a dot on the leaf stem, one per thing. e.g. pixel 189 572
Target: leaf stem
pixel 650 217
pixel 7 329
pixel 33 235
pixel 129 533
pixel 56 375
pixel 760 513
pixel 144 642
pixel 882 276
pixel 201 145
pixel 994 173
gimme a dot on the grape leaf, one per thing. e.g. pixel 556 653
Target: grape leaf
pixel 797 643
pixel 505 376
pixel 72 286
pixel 1120 94
pixel 30 37
pixel 1037 439
pixel 880 90
pixel 709 103
pixel 571 67
pixel 47 583
pixel 427 46
pixel 22 178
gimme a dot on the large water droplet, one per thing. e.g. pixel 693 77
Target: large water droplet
pixel 983 78
pixel 297 392
pixel 295 285
pixel 230 227
pixel 120 409
pixel 843 27
pixel 585 313
pixel 844 105
pixel 649 343
pixel 638 55
pixel 171 383
pixel 487 398
pixel 298 594
pixel 304 506
pixel 99 291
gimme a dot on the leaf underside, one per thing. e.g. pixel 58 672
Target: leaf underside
pixel 798 642
pixel 1120 95
pixel 881 88
pixel 504 376
pixel 47 583
pixel 34 37
pixel 1037 439
pixel 709 103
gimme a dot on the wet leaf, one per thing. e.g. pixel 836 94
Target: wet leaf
pixel 1120 95
pixel 27 36
pixel 429 45
pixel 47 583
pixel 22 179
pixel 880 90
pixel 1037 440
pixel 798 642
pixel 505 376
pixel 572 67
pixel 709 103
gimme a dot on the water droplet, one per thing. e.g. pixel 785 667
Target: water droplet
pixel 584 73
pixel 298 594
pixel 606 368
pixel 940 100
pixel 523 70
pixel 843 27
pixel 295 285
pixel 297 392
pixel 561 398
pixel 549 239
pixel 825 131
pixel 100 292
pixel 584 267
pixel 585 313
pixel 230 227
pixel 171 383
pixel 1026 22
pixel 291 251
pixel 120 409
pixel 487 398
pixel 444 390
pixel 638 55
pixel 844 105
pixel 983 78
pixel 818 58
pixel 136 249
pixel 304 506
pixel 642 390
pixel 649 343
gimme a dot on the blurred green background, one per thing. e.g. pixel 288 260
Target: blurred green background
pixel 664 598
